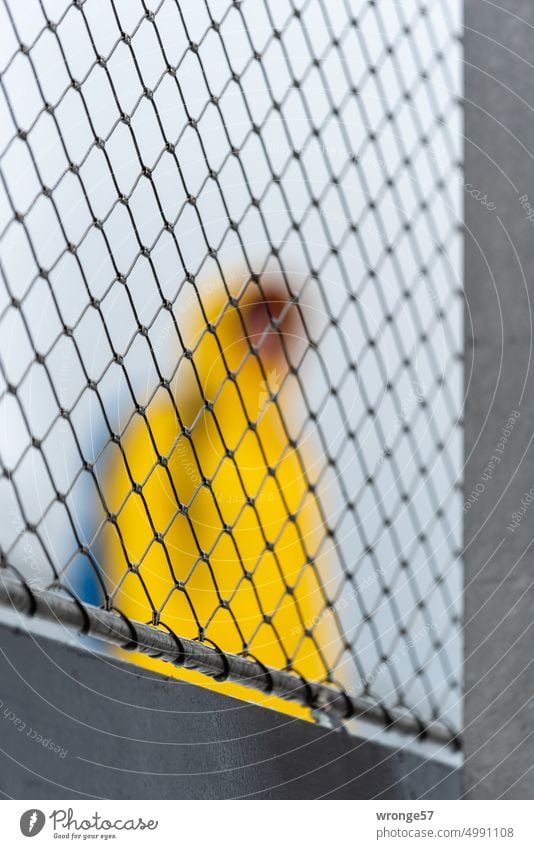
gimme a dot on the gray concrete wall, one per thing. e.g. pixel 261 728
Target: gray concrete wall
pixel 499 257
pixel 125 733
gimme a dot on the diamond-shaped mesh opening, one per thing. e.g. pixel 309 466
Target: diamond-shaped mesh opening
pixel 230 324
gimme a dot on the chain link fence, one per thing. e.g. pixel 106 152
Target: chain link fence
pixel 230 340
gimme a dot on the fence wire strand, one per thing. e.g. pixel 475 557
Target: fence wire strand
pixel 230 339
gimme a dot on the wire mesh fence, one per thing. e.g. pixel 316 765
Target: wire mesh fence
pixel 230 324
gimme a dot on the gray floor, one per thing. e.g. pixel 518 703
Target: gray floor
pixel 71 727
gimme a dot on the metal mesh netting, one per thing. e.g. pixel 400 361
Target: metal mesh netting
pixel 230 324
